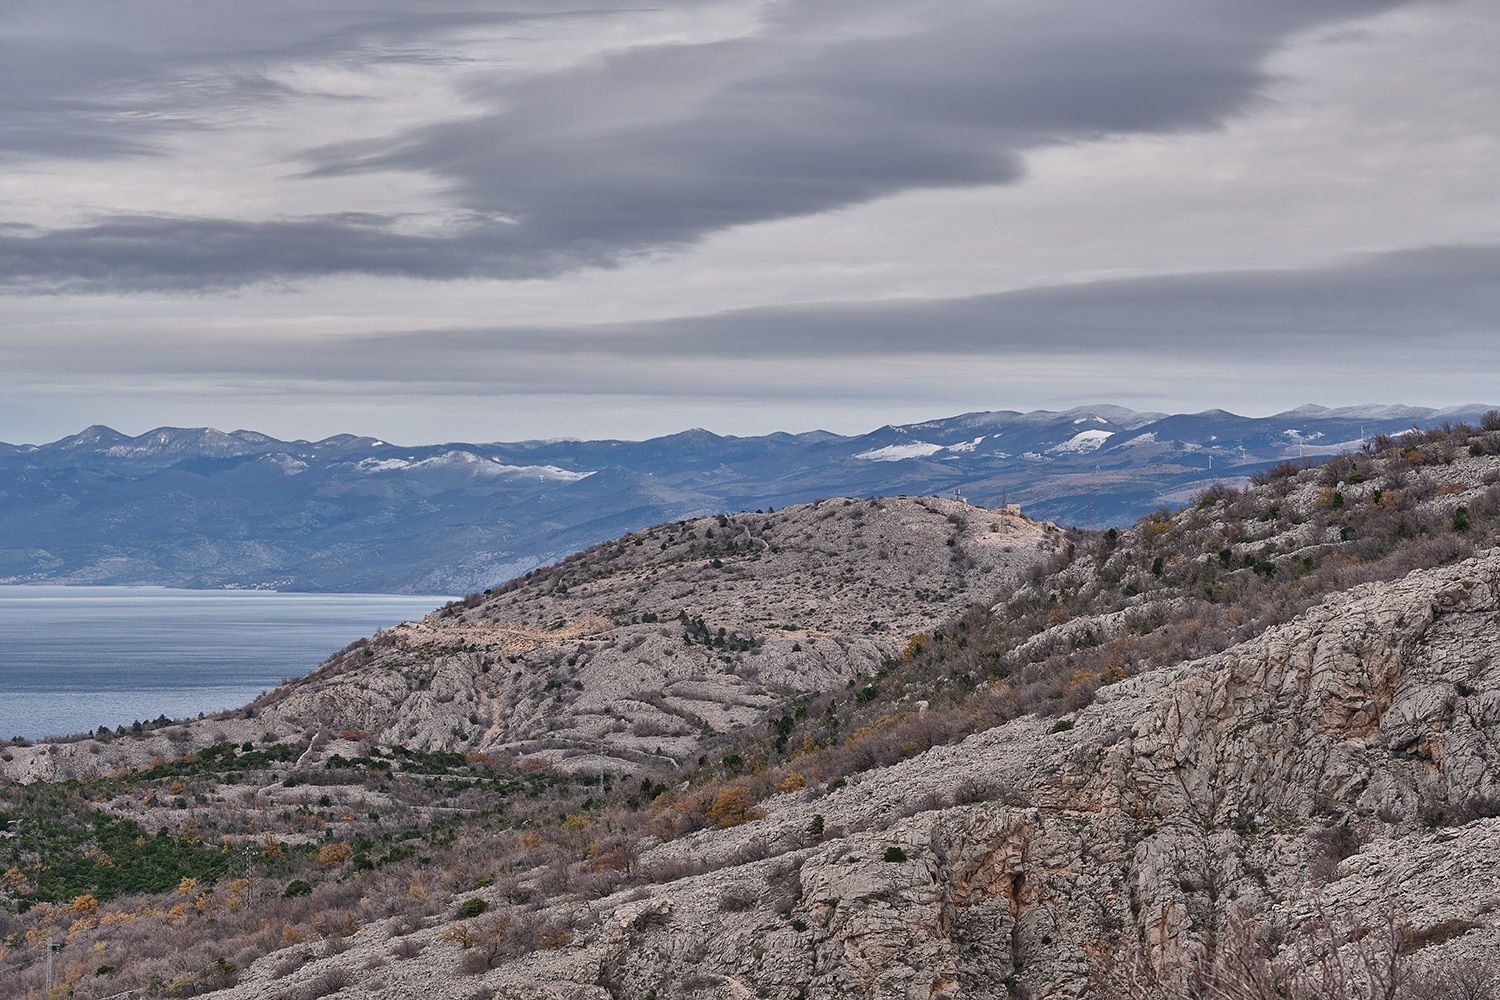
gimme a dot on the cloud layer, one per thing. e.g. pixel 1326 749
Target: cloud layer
pixel 644 149
pixel 823 207
pixel 1365 311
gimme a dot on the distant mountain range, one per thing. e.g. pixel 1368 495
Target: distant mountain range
pixel 204 508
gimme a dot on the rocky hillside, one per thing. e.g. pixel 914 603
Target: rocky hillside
pixel 1331 773
pixel 897 748
pixel 627 655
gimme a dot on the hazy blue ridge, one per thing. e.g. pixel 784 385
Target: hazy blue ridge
pixel 202 508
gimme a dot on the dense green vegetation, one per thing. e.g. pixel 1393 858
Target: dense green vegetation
pixel 65 849
pixel 67 842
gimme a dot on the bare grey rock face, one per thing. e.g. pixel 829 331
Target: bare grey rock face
pixel 1181 807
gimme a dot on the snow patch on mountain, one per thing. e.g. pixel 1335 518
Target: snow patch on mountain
pixel 542 472
pixel 1083 441
pixel 898 452
pixel 382 465
pixel 286 463
pixel 477 465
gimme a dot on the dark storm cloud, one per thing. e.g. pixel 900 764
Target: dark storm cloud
pixel 833 104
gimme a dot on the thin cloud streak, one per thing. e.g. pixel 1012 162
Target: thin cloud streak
pixel 1375 301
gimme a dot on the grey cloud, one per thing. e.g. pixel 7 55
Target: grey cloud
pixel 657 148
pixel 218 32
pixel 54 100
pixel 812 126
pixel 1443 298
pixel 108 78
pixel 190 254
pixel 1368 302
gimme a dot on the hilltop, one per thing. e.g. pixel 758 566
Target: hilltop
pixel 1244 748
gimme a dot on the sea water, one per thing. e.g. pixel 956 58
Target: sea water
pixel 76 658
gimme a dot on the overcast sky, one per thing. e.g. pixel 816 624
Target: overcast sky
pixel 450 221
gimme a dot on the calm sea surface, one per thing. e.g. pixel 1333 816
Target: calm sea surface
pixel 76 658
